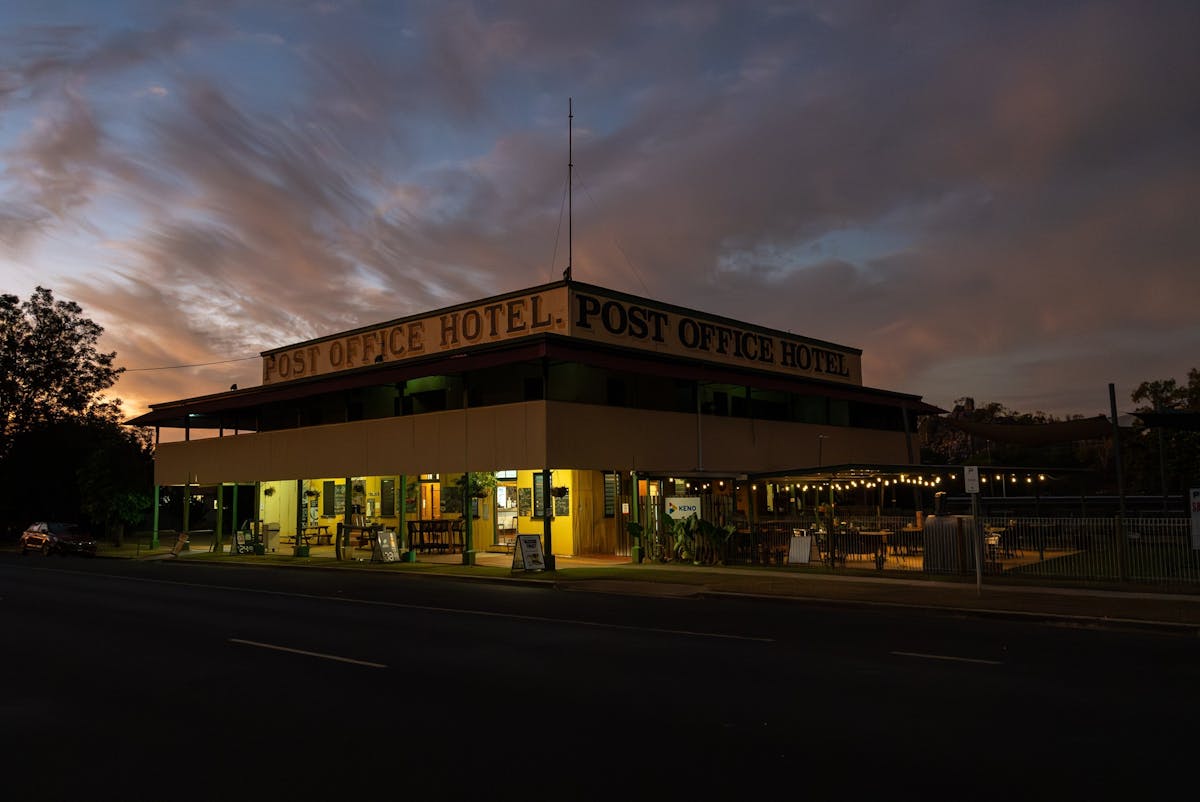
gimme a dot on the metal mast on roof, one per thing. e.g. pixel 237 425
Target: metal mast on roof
pixel 570 185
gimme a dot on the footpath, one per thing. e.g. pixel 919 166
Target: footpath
pixel 1166 612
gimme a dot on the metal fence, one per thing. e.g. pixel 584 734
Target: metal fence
pixel 1145 550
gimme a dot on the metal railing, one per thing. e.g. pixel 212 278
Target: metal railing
pixel 1151 550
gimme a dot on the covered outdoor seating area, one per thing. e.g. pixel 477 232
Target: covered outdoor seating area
pixel 440 535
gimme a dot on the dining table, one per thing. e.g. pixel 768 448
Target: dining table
pixel 319 531
pixel 907 540
pixel 879 538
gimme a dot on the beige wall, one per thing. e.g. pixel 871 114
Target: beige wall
pixel 523 436
pixel 440 442
pixel 584 436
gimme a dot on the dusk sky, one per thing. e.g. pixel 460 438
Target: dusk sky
pixel 991 199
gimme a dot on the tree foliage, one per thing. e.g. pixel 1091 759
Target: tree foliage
pixel 1167 394
pixel 947 445
pixel 116 477
pixel 50 366
pixel 1165 460
pixel 1154 460
pixel 63 451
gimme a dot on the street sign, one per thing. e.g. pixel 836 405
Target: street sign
pixel 971 478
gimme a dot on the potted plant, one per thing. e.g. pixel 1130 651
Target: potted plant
pixel 558 492
pixel 482 484
pixel 270 491
pixel 635 530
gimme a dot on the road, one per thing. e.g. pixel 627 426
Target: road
pixel 164 680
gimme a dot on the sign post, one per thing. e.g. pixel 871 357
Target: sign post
pixel 971 483
pixel 1194 506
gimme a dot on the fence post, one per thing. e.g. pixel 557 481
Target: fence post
pixel 1112 403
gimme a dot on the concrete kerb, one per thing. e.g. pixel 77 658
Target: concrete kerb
pixel 812 596
pixel 213 559
pixel 1065 619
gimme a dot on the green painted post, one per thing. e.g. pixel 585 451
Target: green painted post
pixel 347 500
pixel 301 548
pixel 547 521
pixel 410 555
pixel 154 528
pixel 233 519
pixel 468 540
pixel 636 552
pixel 216 544
pixel 187 503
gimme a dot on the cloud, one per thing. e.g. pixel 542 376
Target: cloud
pixel 990 199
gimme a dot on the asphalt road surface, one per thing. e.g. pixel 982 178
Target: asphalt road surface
pixel 162 680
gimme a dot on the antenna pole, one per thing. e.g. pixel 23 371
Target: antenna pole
pixel 570 185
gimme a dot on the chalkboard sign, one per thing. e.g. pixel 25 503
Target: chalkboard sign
pixel 539 496
pixel 387 497
pixel 527 556
pixel 385 547
pixel 562 505
pixel 524 501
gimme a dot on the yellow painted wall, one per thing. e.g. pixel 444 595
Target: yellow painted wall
pixel 562 529
pixel 279 507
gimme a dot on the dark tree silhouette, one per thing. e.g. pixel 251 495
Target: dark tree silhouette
pixel 50 366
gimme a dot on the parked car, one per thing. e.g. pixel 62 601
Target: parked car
pixel 55 537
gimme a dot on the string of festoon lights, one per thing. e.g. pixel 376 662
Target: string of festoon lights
pixel 918 480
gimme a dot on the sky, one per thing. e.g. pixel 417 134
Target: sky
pixel 996 200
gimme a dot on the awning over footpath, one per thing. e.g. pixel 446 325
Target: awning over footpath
pixel 1037 434
pixel 1185 419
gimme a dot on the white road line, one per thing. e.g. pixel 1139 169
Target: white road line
pixel 307 653
pixel 949 657
pixel 426 608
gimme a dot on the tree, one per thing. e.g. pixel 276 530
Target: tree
pixel 50 366
pixel 1166 460
pixel 116 478
pixel 63 453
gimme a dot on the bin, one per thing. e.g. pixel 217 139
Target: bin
pixel 800 548
pixel 949 544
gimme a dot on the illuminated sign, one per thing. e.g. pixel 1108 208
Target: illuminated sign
pixel 576 312
pixel 687 334
pixel 441 332
pixel 680 507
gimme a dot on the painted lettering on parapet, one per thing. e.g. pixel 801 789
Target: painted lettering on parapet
pixel 490 321
pixel 643 326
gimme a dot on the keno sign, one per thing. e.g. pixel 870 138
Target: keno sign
pixel 680 507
